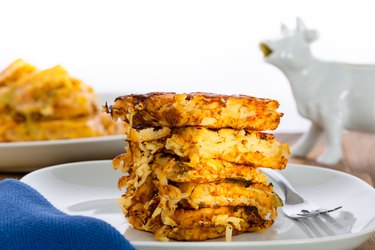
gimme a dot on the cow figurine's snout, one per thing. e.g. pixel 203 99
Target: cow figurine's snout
pixel 334 96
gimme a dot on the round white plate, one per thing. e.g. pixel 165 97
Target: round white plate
pixel 90 188
pixel 29 156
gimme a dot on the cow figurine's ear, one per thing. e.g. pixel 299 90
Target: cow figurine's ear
pixel 311 35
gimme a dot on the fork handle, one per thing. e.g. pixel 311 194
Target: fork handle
pixel 291 196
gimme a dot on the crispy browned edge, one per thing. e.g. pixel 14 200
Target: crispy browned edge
pixel 136 99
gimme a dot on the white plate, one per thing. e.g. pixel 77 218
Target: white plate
pixel 28 156
pixel 90 188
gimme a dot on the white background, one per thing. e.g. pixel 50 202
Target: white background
pixel 183 46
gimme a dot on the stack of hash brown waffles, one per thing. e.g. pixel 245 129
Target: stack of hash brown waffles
pixel 191 164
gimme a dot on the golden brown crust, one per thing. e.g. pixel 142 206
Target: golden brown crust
pixel 200 145
pixel 200 233
pixel 198 225
pixel 166 167
pixel 210 170
pixel 48 94
pixel 228 193
pixel 191 163
pixel 237 146
pixel 12 130
pixel 15 71
pixel 145 210
pixel 197 109
pixel 47 105
pixel 146 134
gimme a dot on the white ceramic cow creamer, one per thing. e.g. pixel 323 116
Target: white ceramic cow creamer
pixel 333 95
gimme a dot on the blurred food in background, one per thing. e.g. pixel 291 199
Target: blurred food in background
pixel 48 104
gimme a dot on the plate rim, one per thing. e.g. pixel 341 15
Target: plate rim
pixel 260 243
pixel 60 141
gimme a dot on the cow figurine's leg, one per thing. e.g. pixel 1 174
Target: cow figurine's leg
pixel 304 145
pixel 333 132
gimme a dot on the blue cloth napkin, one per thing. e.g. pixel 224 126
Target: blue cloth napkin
pixel 29 221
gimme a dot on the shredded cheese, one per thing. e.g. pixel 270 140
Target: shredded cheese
pixel 228 233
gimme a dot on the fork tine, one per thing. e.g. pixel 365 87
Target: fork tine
pixel 325 224
pixel 334 209
pixel 294 205
pixel 309 213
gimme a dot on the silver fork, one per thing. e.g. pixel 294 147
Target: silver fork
pixel 295 206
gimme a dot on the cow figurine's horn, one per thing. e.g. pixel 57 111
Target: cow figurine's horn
pixel 300 25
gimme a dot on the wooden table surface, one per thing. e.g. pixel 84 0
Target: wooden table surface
pixel 359 160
